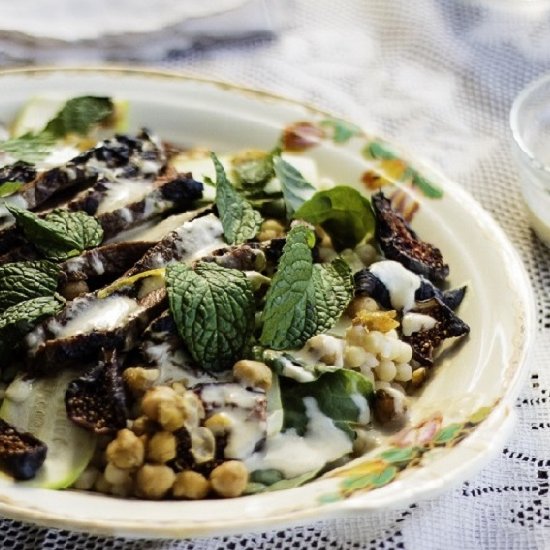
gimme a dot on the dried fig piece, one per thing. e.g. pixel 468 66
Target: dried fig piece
pixel 21 454
pixel 368 284
pixel 451 298
pixel 400 243
pixel 447 325
pixel 97 400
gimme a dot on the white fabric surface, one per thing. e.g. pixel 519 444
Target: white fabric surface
pixel 438 76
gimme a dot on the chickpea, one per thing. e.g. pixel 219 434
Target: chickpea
pixel 253 373
pixel 115 475
pixel 218 423
pixel 101 485
pixel 154 480
pixel 144 426
pixel 139 379
pixel 203 445
pixel 192 485
pixel 271 229
pixel 126 451
pixel 162 447
pixel 73 289
pixel 229 479
pixel 164 405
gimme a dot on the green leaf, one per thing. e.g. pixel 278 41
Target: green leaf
pixel 213 308
pixel 239 220
pixel 334 289
pixel 266 477
pixel 78 115
pixel 253 169
pixel 296 189
pixel 344 213
pixel 304 299
pixel 335 393
pixel 426 186
pixel 29 147
pixel 61 234
pixel 17 320
pixel 342 131
pixel 9 188
pixel 22 281
pixel 370 481
pixel 286 364
pixel 285 315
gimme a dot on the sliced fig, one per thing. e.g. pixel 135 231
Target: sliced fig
pixel 97 400
pixel 399 242
pixel 21 454
pixel 368 284
pixel 451 298
pixel 447 325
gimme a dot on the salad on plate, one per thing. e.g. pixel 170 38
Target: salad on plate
pixel 176 323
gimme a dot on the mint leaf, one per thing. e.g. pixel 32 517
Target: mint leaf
pixel 253 169
pixel 344 213
pixel 213 308
pixel 22 281
pixel 285 316
pixel 29 147
pixel 285 364
pixel 78 115
pixel 337 395
pixel 304 299
pixel 333 285
pixel 239 220
pixel 9 188
pixel 61 234
pixel 17 320
pixel 296 189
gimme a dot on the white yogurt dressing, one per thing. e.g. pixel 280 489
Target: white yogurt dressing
pixel 240 408
pixel 105 314
pixel 399 281
pixel 293 454
pixel 123 192
pixel 416 322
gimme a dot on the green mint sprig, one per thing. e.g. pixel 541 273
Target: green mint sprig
pixel 213 308
pixel 21 281
pixel 336 396
pixel 296 189
pixel 344 213
pixel 77 116
pixel 18 319
pixel 239 220
pixel 304 299
pixel 60 234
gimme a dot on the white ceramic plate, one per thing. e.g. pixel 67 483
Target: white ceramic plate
pixel 460 419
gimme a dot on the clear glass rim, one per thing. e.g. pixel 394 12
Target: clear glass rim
pixel 514 122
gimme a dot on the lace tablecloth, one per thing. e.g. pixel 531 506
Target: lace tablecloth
pixel 438 77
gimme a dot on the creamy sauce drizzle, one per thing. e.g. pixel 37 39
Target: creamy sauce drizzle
pixel 416 322
pixel 293 454
pixel 123 192
pixel 399 281
pixel 104 314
